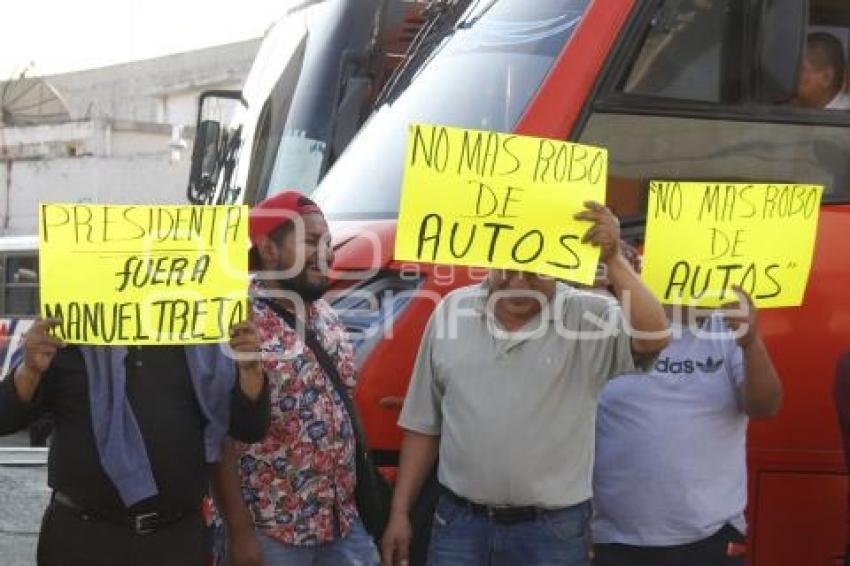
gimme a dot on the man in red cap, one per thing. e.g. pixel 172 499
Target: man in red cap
pixel 298 482
pixel 289 238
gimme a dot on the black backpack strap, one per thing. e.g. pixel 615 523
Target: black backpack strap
pixel 372 493
pixel 328 365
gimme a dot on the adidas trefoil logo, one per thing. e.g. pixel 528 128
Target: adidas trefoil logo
pixel 710 365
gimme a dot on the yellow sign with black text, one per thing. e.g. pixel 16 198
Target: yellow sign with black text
pixel 141 275
pixel 702 238
pixel 488 199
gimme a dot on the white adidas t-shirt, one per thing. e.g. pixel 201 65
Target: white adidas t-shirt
pixel 670 463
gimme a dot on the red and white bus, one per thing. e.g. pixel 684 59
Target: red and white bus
pixel 675 89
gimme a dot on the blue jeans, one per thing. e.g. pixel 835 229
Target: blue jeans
pixel 710 551
pixel 354 549
pixel 461 537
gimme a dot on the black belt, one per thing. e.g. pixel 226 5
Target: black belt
pixel 142 523
pixel 506 515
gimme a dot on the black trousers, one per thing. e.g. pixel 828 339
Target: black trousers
pixel 66 539
pixel 711 551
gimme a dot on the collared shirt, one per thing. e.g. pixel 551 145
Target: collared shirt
pixel 299 480
pixel 515 412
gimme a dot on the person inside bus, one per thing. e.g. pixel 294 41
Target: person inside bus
pixel 670 476
pixel 821 79
pixel 137 441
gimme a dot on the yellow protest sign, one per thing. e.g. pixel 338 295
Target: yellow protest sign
pixel 137 275
pixel 489 199
pixel 704 237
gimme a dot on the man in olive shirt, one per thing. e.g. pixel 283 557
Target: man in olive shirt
pixel 128 476
pixel 505 389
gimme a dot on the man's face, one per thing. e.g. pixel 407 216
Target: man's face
pixel 814 87
pixel 305 250
pixel 531 292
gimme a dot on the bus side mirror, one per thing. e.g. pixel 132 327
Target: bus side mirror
pixel 210 137
pixel 780 42
pixel 204 152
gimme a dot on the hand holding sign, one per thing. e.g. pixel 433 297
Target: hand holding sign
pixel 246 343
pixel 742 318
pixel 246 349
pixel 605 232
pixel 39 346
pixel 39 350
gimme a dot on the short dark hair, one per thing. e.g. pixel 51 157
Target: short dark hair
pixel 278 234
pixel 825 50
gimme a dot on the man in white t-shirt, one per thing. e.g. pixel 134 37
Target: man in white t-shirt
pixel 670 476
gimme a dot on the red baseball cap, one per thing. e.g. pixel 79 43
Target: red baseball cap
pixel 266 216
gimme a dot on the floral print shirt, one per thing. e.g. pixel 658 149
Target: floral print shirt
pixel 299 480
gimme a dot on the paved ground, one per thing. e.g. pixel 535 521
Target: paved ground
pixel 23 497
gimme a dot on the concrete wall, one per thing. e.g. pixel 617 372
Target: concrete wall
pixel 136 139
pixel 118 146
pixel 182 107
pixel 93 137
pixel 139 179
pixel 53 140
pixel 136 91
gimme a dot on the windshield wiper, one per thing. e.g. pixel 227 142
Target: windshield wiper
pixel 437 14
pixel 228 159
pixel 472 20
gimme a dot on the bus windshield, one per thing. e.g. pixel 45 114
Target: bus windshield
pixel 291 95
pixel 481 75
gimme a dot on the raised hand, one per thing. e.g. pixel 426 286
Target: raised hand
pixel 605 232
pixel 39 346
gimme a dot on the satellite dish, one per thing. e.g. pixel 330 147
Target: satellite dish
pixel 31 101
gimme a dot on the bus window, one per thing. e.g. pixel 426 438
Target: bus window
pixel 659 122
pixel 823 74
pixel 20 289
pixel 19 303
pixel 690 52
